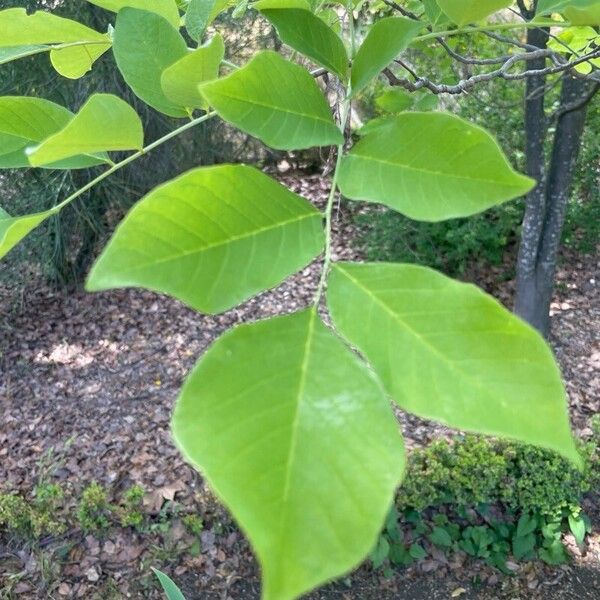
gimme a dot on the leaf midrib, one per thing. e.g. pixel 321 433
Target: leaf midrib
pixel 432 172
pixel 230 240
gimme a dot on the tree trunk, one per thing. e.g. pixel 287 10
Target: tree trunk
pixel 547 203
pixel 527 298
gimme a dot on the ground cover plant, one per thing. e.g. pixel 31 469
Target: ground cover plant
pixel 289 419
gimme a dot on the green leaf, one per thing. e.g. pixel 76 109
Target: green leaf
pixel 417 552
pixel 180 81
pixel 395 101
pixel 275 101
pixel 386 39
pixel 434 13
pixel 211 238
pixel 430 167
pixel 14 53
pixel 105 122
pixel 25 121
pixel 527 524
pixel 14 229
pixel 296 437
pixel 380 552
pixel 145 44
pixel 447 351
pixel 200 14
pixel 168 585
pixel 440 537
pixel 463 12
pixel 578 12
pixel 20 29
pixel 578 528
pixel 165 8
pixel 308 34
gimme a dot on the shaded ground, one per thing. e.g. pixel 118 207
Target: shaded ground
pixel 87 383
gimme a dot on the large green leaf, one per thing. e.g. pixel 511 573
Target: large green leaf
pixel 430 166
pixel 145 44
pixel 27 121
pixel 213 237
pixel 200 14
pixel 447 351
pixel 276 101
pixel 384 42
pixel 14 229
pixel 308 34
pixel 463 12
pixel 298 440
pixel 165 8
pixel 105 122
pixel 17 28
pixel 578 12
pixel 180 81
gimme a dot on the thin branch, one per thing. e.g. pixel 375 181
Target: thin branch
pixel 502 73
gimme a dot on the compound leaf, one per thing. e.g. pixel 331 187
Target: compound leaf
pixel 105 122
pixel 26 121
pixel 180 81
pixel 296 437
pixel 308 34
pixel 430 167
pixel 212 238
pixel 447 351
pixel 385 40
pixel 277 101
pixel 145 44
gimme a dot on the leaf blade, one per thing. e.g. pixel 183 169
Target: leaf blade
pixel 105 122
pixel 308 34
pixel 224 234
pixel 14 229
pixel 430 167
pixel 463 359
pixel 276 101
pixel 145 44
pixel 315 393
pixel 386 39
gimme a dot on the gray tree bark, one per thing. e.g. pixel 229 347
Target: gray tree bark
pixel 546 204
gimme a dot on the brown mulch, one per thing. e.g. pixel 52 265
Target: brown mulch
pixel 87 383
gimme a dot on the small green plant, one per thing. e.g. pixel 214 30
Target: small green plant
pixel 130 511
pixel 193 523
pixel 14 513
pixel 94 509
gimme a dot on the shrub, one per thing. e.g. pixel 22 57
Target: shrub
pixel 490 499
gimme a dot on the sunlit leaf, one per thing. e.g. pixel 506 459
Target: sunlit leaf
pixel 308 34
pixel 14 229
pixel 165 8
pixel 27 121
pixel 447 351
pixel 41 28
pixel 296 437
pixel 212 238
pixel 430 167
pixel 180 81
pixel 145 44
pixel 386 39
pixel 105 122
pixel 277 101
pixel 578 12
